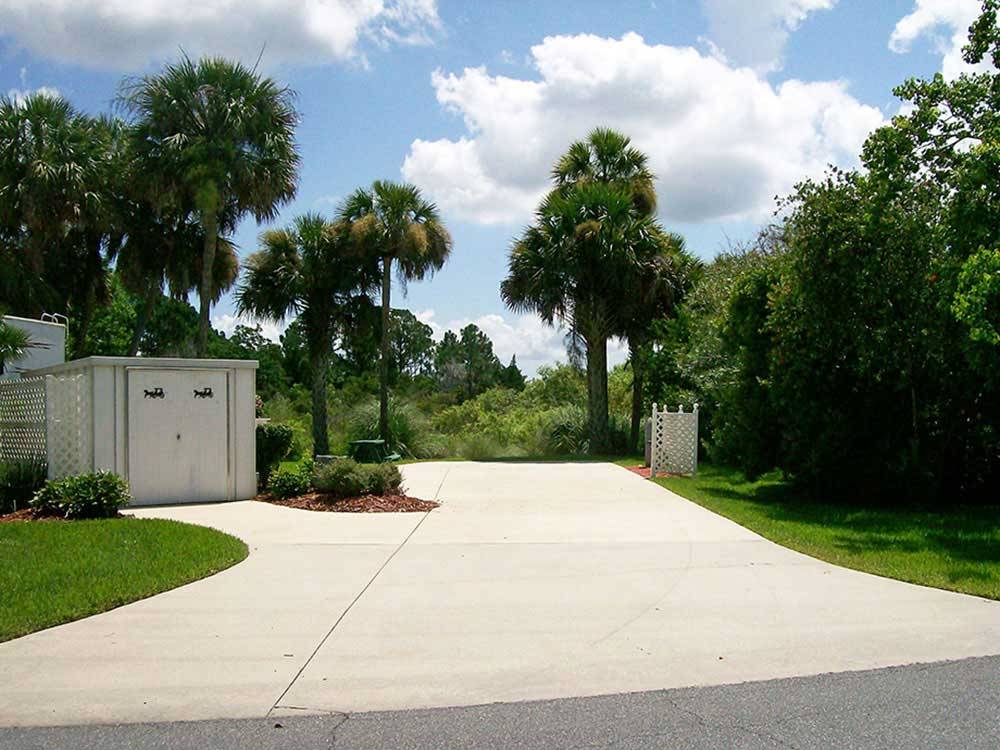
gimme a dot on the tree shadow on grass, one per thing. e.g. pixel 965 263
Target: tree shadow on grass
pixel 969 535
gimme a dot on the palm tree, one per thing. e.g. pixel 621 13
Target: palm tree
pixel 216 136
pixel 56 177
pixel 394 223
pixel 587 251
pixel 310 270
pixel 14 342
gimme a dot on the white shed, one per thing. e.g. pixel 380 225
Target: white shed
pixel 179 430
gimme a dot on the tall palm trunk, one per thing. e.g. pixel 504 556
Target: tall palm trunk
pixel 142 319
pixel 211 227
pixel 321 440
pixel 597 391
pixel 383 369
pixel 638 376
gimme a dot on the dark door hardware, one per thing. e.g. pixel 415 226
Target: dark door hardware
pixel 154 393
pixel 205 392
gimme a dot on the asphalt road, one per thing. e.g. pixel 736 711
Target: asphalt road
pixel 937 706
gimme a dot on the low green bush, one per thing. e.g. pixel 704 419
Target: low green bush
pixel 384 479
pixel 289 481
pixel 97 495
pixel 345 477
pixel 19 481
pixel 273 444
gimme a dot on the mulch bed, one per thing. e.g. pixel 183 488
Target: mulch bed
pixel 642 471
pixel 364 504
pixel 30 514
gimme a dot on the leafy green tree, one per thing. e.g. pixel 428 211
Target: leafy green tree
pixel 411 349
pixel 593 243
pixel 394 224
pixel 449 362
pixel 481 368
pixel 308 270
pixel 511 376
pixel 218 137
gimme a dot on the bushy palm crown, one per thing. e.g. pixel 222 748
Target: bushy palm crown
pixel 608 157
pixel 221 137
pixel 594 240
pixel 57 172
pixel 307 270
pixel 394 220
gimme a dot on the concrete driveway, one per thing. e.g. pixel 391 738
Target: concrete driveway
pixel 531 581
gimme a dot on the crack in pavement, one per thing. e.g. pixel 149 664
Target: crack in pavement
pixel 354 601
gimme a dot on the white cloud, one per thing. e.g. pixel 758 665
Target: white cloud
pixel 722 140
pixel 755 33
pixel 946 23
pixel 529 338
pixel 126 35
pixel 227 322
pixel 19 95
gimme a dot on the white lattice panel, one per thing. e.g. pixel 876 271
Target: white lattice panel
pixel 674 445
pixel 68 424
pixel 22 420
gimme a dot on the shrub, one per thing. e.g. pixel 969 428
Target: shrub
pixel 384 478
pixel 97 495
pixel 19 481
pixel 347 478
pixel 273 443
pixel 289 481
pixel 344 478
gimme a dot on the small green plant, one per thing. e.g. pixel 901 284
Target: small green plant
pixel 347 478
pixel 273 444
pixel 97 495
pixel 19 481
pixel 289 481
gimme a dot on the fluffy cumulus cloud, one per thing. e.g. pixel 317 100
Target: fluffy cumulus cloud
pixel 722 140
pixel 946 24
pixel 755 33
pixel 125 34
pixel 533 342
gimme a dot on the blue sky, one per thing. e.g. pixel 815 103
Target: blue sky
pixel 734 101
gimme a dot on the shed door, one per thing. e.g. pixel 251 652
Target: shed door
pixel 178 449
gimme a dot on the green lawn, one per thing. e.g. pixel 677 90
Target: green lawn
pixel 955 549
pixel 54 571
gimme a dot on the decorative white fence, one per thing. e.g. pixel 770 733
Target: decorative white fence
pixel 674 443
pixel 67 424
pixel 22 420
pixel 47 419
